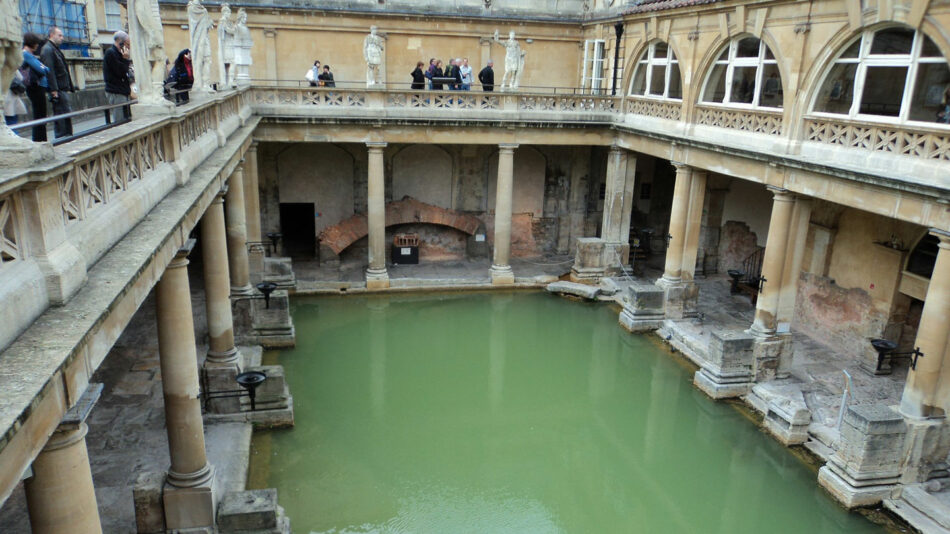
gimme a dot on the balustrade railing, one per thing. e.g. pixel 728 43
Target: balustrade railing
pixel 651 107
pixel 9 234
pixel 746 120
pixel 920 142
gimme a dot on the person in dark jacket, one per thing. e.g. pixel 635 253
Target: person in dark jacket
pixel 487 77
pixel 327 77
pixel 60 83
pixel 437 73
pixel 182 76
pixel 418 77
pixel 36 87
pixel 457 74
pixel 115 73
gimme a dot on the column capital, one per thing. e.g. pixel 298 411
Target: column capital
pixel 181 256
pixel 680 166
pixel 253 146
pixel 781 194
pixel 270 33
pixel 943 236
pixel 616 149
pixel 507 147
pixel 376 145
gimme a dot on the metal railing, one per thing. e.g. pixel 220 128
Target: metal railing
pixel 107 111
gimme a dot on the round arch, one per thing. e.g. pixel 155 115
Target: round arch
pixel 715 50
pixel 630 66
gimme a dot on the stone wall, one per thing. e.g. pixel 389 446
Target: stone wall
pixel 549 200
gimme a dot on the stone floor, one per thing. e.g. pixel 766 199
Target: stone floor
pixel 127 426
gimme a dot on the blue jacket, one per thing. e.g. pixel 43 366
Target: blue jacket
pixel 37 67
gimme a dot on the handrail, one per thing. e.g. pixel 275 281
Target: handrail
pixel 106 109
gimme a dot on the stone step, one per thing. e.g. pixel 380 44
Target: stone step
pixel 574 289
pixel 927 520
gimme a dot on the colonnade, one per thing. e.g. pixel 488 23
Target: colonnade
pixel 377 276
pixel 60 494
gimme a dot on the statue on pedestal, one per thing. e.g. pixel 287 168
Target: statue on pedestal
pixel 148 52
pixel 227 36
pixel 242 49
pixel 514 61
pixel 373 53
pixel 199 26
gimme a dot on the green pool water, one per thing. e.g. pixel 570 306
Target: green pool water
pixel 516 412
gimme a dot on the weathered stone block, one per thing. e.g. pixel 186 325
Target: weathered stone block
pixel 643 307
pixel 275 386
pixel 147 498
pixel 570 288
pixel 189 508
pixel 681 298
pixel 595 258
pixel 728 368
pixel 272 323
pixel 773 357
pixel 242 511
pixel 280 271
pixel 867 463
pixel 221 377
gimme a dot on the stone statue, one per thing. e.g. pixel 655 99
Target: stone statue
pixel 514 61
pixel 148 52
pixel 14 150
pixel 227 37
pixel 242 49
pixel 373 53
pixel 199 25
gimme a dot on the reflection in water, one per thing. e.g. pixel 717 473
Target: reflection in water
pixel 586 428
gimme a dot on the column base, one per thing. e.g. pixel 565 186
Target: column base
pixel 227 357
pixel 189 500
pixel 502 275
pixel 377 278
pixel 850 495
pixel 242 291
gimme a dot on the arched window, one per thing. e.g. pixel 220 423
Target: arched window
pixel 657 73
pixel 894 72
pixel 746 73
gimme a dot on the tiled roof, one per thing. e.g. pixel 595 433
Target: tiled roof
pixel 643 6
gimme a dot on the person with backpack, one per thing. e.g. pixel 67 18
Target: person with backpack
pixel 181 77
pixel 34 74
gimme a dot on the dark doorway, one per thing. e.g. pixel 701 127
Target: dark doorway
pixel 299 230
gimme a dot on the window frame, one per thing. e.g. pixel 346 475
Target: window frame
pixel 648 61
pixel 864 60
pixel 591 62
pixel 760 61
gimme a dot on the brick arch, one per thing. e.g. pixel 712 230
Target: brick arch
pixel 406 211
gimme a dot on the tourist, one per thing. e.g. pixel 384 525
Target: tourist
pixel 115 73
pixel 457 74
pixel 430 71
pixel 466 72
pixel 326 79
pixel 35 78
pixel 60 83
pixel 436 75
pixel 487 77
pixel 418 78
pixel 182 76
pixel 449 72
pixel 13 105
pixel 313 74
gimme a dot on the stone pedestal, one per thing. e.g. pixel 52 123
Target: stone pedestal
pixel 866 466
pixel 596 258
pixel 273 325
pixel 254 511
pixel 681 298
pixel 728 368
pixel 928 445
pixel 773 356
pixel 642 307
pixel 190 506
pixel 280 271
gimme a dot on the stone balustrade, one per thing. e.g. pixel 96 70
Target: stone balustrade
pixel 918 141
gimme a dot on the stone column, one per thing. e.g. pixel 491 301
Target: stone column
pixel 678 218
pixel 376 275
pixel 926 393
pixel 694 223
pixel 237 235
pixel 252 199
pixel 773 263
pixel 188 499
pixel 501 272
pixel 217 285
pixel 797 235
pixel 614 197
pixel 60 495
